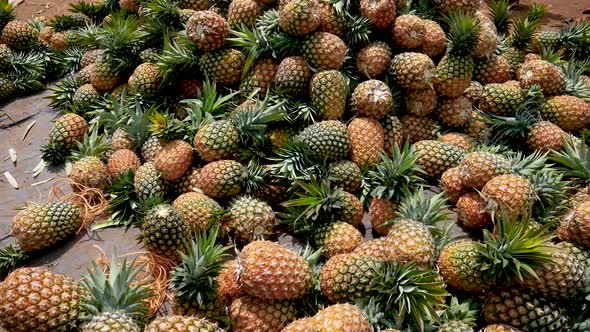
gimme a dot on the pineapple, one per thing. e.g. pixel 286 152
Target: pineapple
pixel 323 50
pixel 6 57
pixel 409 31
pixel 217 140
pixel 328 91
pixel 85 95
pixel 574 225
pixel 299 17
pixel 346 175
pixel 327 139
pixel 381 13
pixel 196 209
pixel 570 113
pixel 523 310
pixel 147 182
pixel 479 167
pixel 435 41
pixel 249 218
pixel 373 99
pixel 194 282
pixel 380 249
pixel 493 69
pixel 146 79
pixel 366 141
pixel 487 40
pixel 520 41
pixel 373 59
pixel 473 92
pixel 500 99
pixel 174 159
pixel 164 232
pixel 471 211
pixel 89 169
pixel 131 6
pixel 287 275
pixel 511 192
pixel 338 238
pixel 35 299
pixel 545 136
pixel 181 324
pixel 228 288
pixel 420 102
pixel 43 225
pixel 120 139
pixel 345 277
pixel 19 35
pixel 459 140
pixel 207 30
pixel 458 317
pixel 499 328
pixel 223 65
pixel 451 184
pixel 292 76
pixel 250 314
pixel 193 4
pixel 243 12
pixel 412 242
pixel 90 56
pixel 419 128
pixel 454 112
pixel 63 136
pixel 436 157
pixel 262 76
pixel 455 263
pixel 150 148
pixel 450 6
pixel 543 73
pixel 301 325
pixel 332 20
pixel 116 302
pixel 340 317
pixel 121 161
pixel 412 70
pixel 222 179
pixel 393 132
pixel 454 71
pixel 190 88
pixel 103 76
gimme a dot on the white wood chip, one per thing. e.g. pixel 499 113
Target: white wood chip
pixel 11 180
pixel 69 167
pixel 28 129
pixel 12 154
pixel 41 182
pixel 40 165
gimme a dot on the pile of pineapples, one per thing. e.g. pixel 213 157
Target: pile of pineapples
pixel 305 165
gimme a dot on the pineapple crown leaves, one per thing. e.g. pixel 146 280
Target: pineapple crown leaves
pixel 63 92
pixel 551 193
pixel 514 249
pixel 178 57
pixel 26 66
pixel 424 9
pixel 294 162
pixel 298 112
pixel 194 280
pixel 537 12
pixel 465 311
pixel 11 259
pixel 412 292
pixel 137 128
pixel 257 177
pixel 528 165
pixel 212 101
pixel 65 22
pixel 576 35
pixel 161 21
pixel 252 123
pixel 316 202
pixel 167 127
pixel 522 32
pixel 500 13
pixel 575 85
pixel 92 145
pixel 427 209
pixel 394 177
pixel 119 291
pixel 573 161
pixel 378 317
pixel 54 154
pixel 123 199
pixel 97 11
pixel 551 55
pixel 359 31
pixel 462 33
pixel 71 59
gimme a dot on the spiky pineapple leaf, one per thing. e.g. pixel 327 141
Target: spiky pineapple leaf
pixel 462 33
pixel 573 161
pixel 91 145
pixel 11 259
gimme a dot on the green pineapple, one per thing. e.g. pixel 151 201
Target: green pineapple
pixel 435 157
pixel 454 71
pixel 299 17
pixel 65 133
pixel 293 76
pixel 328 92
pixel 89 169
pixel 346 175
pixel 327 139
pixel 148 182
pixel 249 218
pixel 85 95
pixel 115 302
pixel 223 65
pixel 164 232
pixel 194 282
pixel 222 179
pixel 520 41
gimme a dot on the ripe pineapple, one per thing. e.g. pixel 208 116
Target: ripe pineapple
pixel 373 59
pixel 459 140
pixel 85 95
pixel 372 99
pixel 492 69
pixel 121 161
pixel 35 299
pixel 545 136
pixel 262 76
pixel 420 102
pixel 146 79
pixel 338 238
pixel 193 4
pixel 381 13
pixel 150 148
pixel 473 92
pixel 207 30
pixel 63 136
pixel 346 277
pixel 250 314
pixel 511 192
pixel 300 325
pixel 328 91
pixel 454 112
pixel 456 266
pixel 543 73
pixel 487 39
pixel 409 31
pixel 299 17
pixel 435 41
pixel 164 232
pixel 570 113
pixel 419 128
pixel 574 225
pixel 174 159
pixel 181 324
pixel 103 77
pixel 249 218
pixel 243 12
pixel 436 157
pixel 222 179
pixel 523 31
pixel 471 211
pixel 332 20
pixel 500 99
pixel 328 139
pixel 451 184
pixel 499 328
pixel 287 275
pixel 454 71
pixel 479 167
pixel 293 76
pixel 42 225
pixel 223 65
pixel 196 209
pixel 393 131
pixel 193 283
pixel 412 243
pixel 412 70
pixel 450 6
pixel 115 302
pixel 217 140
pixel 120 139
pixel 147 181
pixel 341 316
pixel 19 35
pixel 366 141
pixel 323 50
